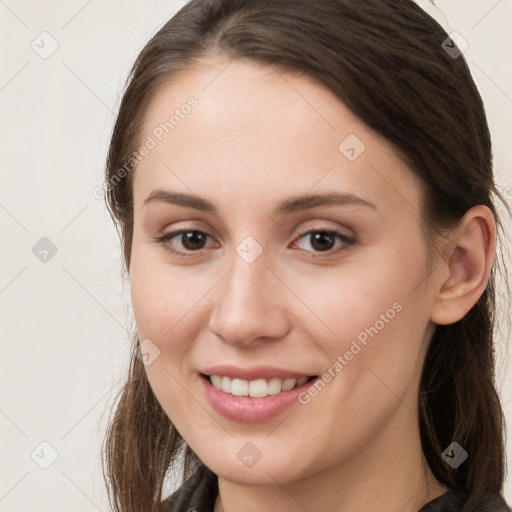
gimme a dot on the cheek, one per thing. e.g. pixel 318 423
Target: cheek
pixel 369 293
pixel 378 312
pixel 162 296
pixel 164 312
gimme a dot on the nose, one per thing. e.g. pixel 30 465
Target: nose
pixel 250 305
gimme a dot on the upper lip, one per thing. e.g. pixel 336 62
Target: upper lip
pixel 253 373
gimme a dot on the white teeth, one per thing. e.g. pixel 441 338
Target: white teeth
pixel 259 388
pixel 216 381
pixel 289 384
pixel 302 381
pixel 239 387
pixel 226 384
pixel 274 386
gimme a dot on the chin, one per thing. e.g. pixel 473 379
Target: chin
pixel 248 467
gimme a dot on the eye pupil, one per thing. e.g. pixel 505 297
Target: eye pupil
pixel 319 238
pixel 193 240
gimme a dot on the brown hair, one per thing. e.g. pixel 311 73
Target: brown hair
pixel 383 59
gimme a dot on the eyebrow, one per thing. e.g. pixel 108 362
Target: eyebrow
pixel 291 205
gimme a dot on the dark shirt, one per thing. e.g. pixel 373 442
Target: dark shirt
pixel 200 492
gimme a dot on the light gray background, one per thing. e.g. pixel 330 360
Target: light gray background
pixel 64 337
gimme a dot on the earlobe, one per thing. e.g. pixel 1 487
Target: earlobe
pixel 468 263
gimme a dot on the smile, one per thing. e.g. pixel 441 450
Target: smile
pixel 258 388
pixel 263 394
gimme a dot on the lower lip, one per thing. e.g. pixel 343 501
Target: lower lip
pixel 244 409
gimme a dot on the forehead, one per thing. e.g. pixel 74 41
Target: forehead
pixel 253 127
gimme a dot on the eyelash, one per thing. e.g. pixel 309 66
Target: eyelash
pixel 346 240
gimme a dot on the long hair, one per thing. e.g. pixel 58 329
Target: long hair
pixel 385 60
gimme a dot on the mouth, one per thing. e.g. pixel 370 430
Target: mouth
pixel 253 401
pixel 257 388
pixel 252 394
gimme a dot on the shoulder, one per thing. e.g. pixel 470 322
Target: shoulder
pixel 454 501
pixel 197 494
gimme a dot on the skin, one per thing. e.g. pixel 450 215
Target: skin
pixel 258 137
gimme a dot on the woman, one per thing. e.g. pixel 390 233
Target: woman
pixel 305 196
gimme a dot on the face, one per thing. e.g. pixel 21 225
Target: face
pixel 277 244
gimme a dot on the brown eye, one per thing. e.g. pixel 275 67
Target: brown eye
pixel 187 242
pixel 193 240
pixel 322 240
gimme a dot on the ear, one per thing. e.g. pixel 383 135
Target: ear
pixel 469 256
